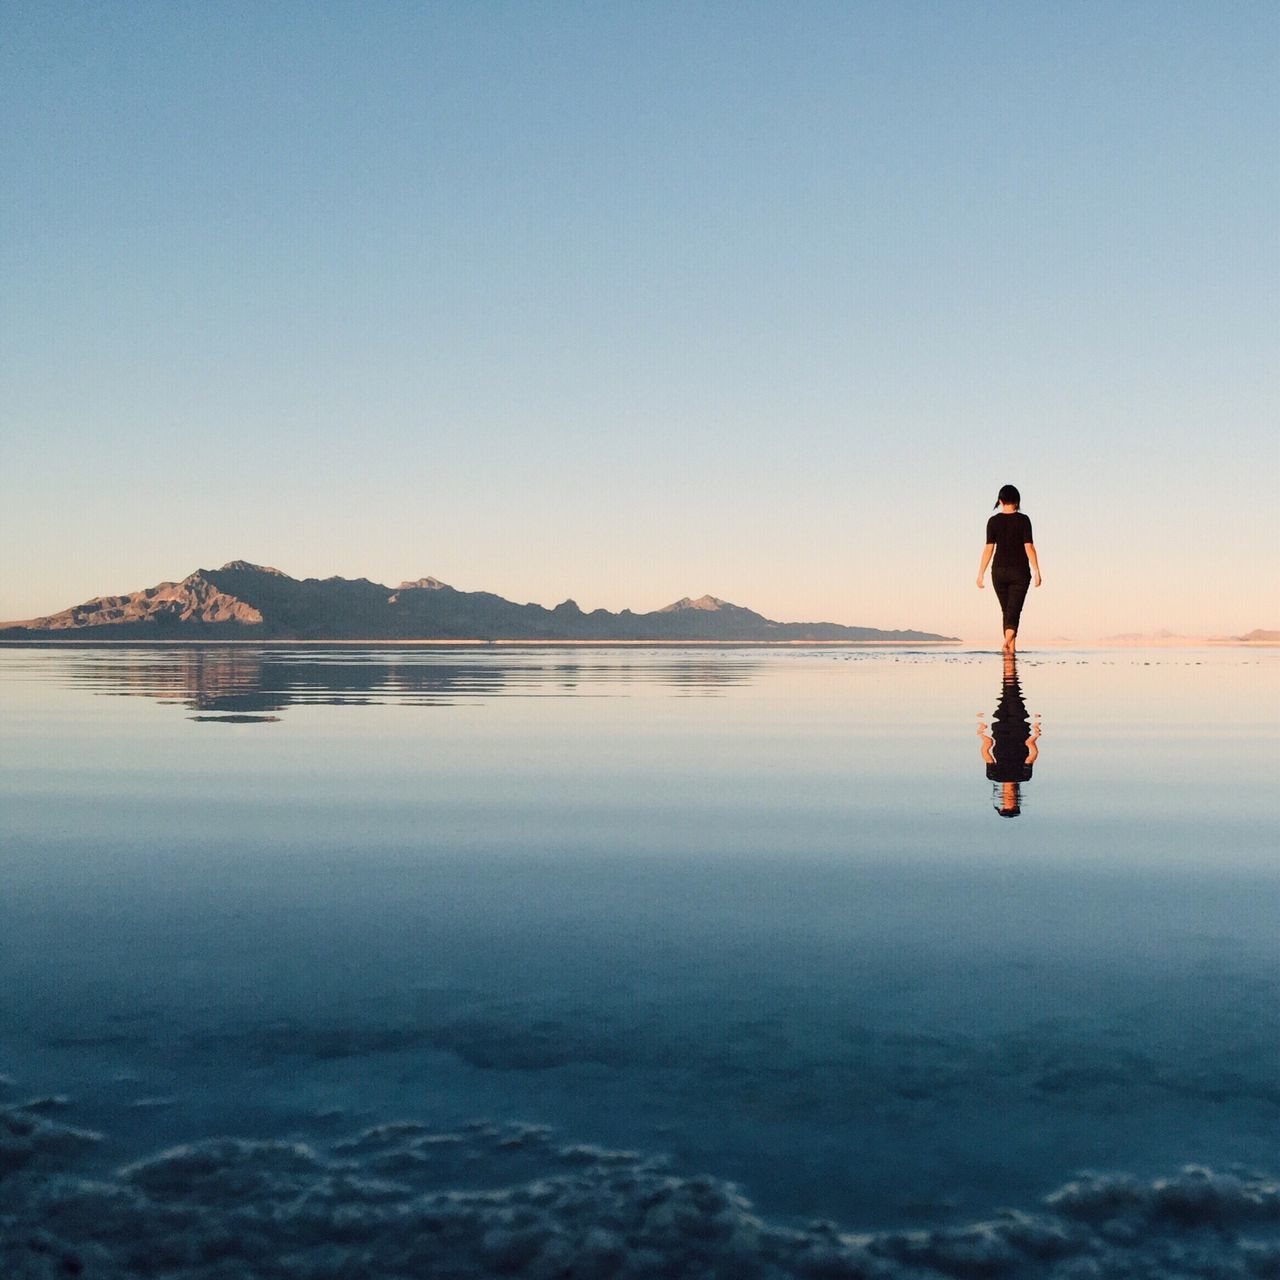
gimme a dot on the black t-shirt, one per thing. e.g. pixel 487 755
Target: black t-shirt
pixel 1010 533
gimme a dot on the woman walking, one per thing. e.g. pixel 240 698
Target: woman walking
pixel 1009 538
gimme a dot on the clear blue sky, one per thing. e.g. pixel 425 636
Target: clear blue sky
pixel 628 302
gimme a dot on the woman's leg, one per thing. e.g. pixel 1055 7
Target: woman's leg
pixel 1001 585
pixel 1012 601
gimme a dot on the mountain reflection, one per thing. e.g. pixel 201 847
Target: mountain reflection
pixel 247 685
pixel 1009 745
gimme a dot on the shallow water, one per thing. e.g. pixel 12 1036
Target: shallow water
pixel 753 910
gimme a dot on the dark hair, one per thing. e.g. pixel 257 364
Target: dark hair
pixel 997 800
pixel 1009 493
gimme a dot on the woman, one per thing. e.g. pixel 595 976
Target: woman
pixel 1009 537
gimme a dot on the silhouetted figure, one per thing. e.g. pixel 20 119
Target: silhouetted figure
pixel 1009 540
pixel 1009 745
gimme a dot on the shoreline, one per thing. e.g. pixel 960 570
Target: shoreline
pixel 148 642
pixel 976 646
pixel 960 645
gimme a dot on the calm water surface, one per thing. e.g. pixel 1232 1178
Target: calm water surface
pixel 755 910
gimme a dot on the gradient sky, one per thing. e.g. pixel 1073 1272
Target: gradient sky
pixel 627 302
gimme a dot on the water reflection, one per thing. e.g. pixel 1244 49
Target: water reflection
pixel 1009 744
pixel 246 685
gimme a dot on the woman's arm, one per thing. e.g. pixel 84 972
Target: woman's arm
pixel 1035 564
pixel 986 560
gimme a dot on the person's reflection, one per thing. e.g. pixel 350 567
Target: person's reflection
pixel 1009 747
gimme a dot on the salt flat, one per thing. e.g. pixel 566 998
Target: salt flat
pixel 750 916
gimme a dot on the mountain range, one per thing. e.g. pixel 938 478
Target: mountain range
pixel 248 601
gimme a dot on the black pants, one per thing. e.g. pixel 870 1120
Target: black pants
pixel 1011 590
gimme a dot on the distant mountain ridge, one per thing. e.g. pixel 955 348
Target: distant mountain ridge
pixel 249 601
pixel 1166 639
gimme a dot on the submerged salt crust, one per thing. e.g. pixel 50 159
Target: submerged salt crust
pixel 751 918
pixel 372 1205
